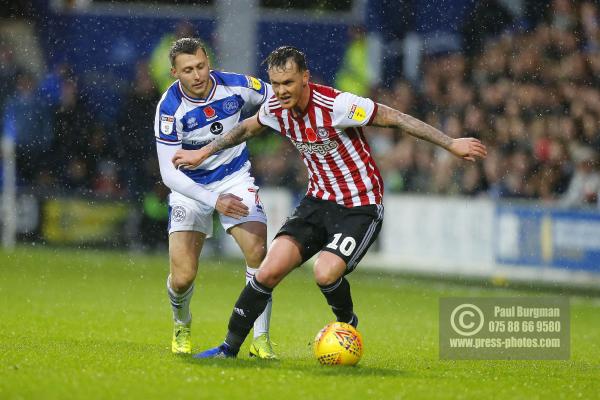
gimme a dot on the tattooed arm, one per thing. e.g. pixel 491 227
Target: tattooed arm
pixel 238 134
pixel 466 148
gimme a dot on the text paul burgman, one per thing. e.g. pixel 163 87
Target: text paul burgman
pixel 526 312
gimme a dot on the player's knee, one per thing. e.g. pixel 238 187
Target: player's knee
pixel 182 277
pixel 255 254
pixel 180 282
pixel 269 278
pixel 326 274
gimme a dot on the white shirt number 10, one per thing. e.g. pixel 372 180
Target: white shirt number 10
pixel 346 247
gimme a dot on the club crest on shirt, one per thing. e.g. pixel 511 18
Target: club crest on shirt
pixel 322 132
pixel 166 124
pixel 230 106
pixel 357 113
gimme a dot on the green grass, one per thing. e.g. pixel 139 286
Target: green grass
pixel 96 324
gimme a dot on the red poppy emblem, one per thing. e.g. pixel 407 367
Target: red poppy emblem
pixel 311 135
pixel 209 112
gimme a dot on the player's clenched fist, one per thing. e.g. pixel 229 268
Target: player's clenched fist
pixel 189 158
pixel 468 148
pixel 230 205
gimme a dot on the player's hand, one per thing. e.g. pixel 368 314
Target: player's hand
pixel 189 159
pixel 468 149
pixel 230 205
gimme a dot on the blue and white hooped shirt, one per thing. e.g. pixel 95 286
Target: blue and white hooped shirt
pixel 193 123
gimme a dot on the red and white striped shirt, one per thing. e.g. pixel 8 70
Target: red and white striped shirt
pixel 330 139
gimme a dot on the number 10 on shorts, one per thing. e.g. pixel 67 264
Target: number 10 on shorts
pixel 346 246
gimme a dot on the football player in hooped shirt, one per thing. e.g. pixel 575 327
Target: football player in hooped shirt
pixel 199 107
pixel 342 212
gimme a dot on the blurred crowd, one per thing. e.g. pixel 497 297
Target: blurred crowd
pixel 532 96
pixel 62 146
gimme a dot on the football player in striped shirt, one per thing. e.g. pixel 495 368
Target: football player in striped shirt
pixel 342 212
pixel 200 106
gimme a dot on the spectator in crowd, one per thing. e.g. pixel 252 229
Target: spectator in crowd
pixel 71 125
pixel 8 73
pixel 585 185
pixel 133 130
pixel 161 72
pixel 27 117
pixel 106 181
pixel 354 75
pixel 155 215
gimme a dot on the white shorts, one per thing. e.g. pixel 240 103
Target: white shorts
pixel 187 214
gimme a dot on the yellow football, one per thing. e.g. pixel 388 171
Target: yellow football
pixel 338 343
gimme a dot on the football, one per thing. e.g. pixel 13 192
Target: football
pixel 338 343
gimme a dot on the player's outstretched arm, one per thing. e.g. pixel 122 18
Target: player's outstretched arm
pixel 238 134
pixel 465 148
pixel 178 181
pixel 225 203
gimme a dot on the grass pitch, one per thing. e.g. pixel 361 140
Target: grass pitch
pixel 97 325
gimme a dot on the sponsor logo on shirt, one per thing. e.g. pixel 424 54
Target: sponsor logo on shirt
pixel 166 124
pixel 216 128
pixel 316 148
pixel 197 142
pixel 191 123
pixel 357 113
pixel 254 83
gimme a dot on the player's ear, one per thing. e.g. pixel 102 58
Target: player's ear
pixel 305 77
pixel 173 72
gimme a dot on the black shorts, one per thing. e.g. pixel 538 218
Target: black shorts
pixel 321 225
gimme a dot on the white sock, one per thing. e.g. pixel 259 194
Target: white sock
pixel 261 325
pixel 180 303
